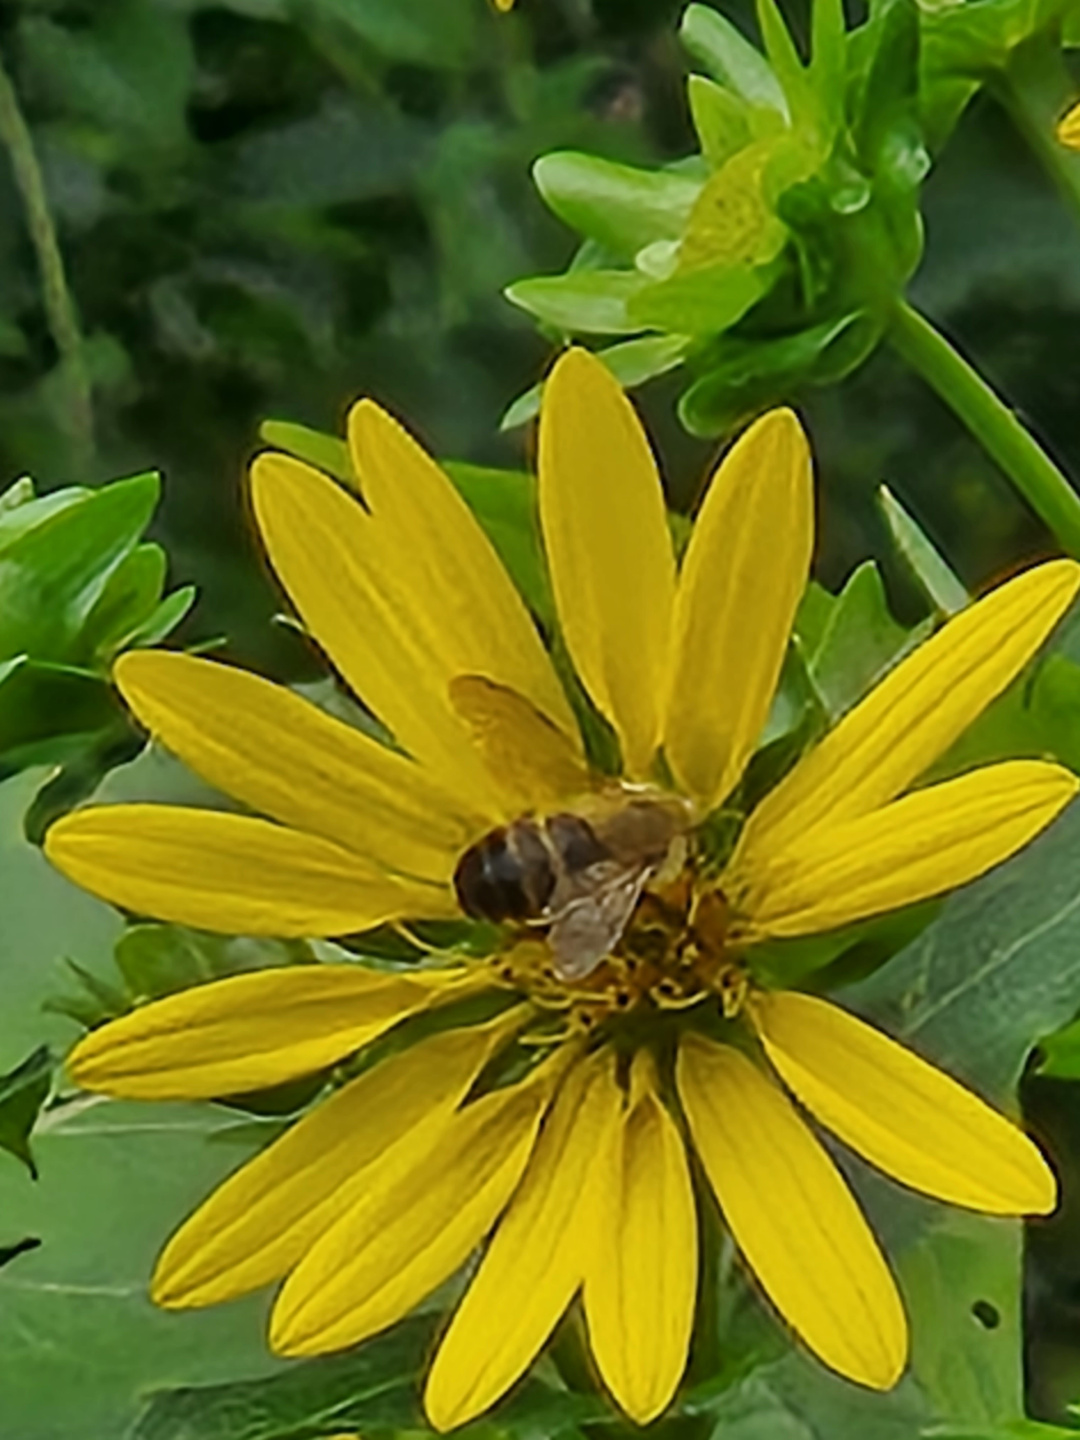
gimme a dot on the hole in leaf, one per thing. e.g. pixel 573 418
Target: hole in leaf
pixel 988 1316
pixel 9 1252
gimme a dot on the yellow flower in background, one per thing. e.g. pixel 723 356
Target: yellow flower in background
pixel 1068 130
pixel 569 1161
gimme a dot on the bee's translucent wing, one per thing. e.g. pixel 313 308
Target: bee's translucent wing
pixel 587 927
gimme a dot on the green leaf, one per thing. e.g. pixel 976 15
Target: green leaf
pixel 929 569
pixel 632 362
pixel 52 575
pixel 796 1399
pixel 505 504
pixel 962 1285
pixel 1059 1054
pixel 158 960
pixel 999 969
pixel 30 510
pixel 82 1344
pixel 715 43
pixel 621 207
pixel 706 301
pixel 373 1389
pixel 373 1385
pixel 860 642
pixel 1037 717
pixel 48 713
pixel 590 301
pixel 45 917
pixel 79 775
pixel 23 1091
pixel 129 600
pixel 163 619
pixel 743 376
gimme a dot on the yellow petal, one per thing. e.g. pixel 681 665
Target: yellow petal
pixel 262 1221
pixel 792 1215
pixel 744 572
pixel 418 1214
pixel 246 1032
pixel 641 1272
pixel 518 741
pixel 364 611
pixel 535 1261
pixel 1068 130
pixel 231 873
pixel 916 712
pixel 904 1116
pixel 612 567
pixel 922 845
pixel 279 754
pixel 476 621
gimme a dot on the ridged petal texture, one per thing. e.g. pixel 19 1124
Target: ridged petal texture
pixel 792 1215
pixel 641 1270
pixel 609 552
pixel 536 1258
pixel 921 845
pixel 900 1113
pixel 915 713
pixel 419 1213
pixel 404 595
pixel 262 1221
pixel 283 756
pixel 248 1032
pixel 741 580
pixel 1068 131
pixel 231 873
pixel 518 743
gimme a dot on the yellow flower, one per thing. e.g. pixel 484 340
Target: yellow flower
pixel 569 1157
pixel 1068 130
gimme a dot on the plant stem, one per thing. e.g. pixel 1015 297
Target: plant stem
pixel 991 422
pixel 56 297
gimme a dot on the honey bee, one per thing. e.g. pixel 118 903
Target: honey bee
pixel 580 876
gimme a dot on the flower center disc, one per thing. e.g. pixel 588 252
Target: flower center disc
pixel 672 955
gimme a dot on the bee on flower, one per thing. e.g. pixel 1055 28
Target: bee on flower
pixel 622 1020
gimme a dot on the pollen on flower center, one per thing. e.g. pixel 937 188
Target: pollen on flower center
pixel 674 953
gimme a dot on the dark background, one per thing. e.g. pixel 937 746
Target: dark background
pixel 269 207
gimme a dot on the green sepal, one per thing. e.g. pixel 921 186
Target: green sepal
pixel 591 302
pixel 621 207
pixel 715 43
pixel 23 1092
pixel 927 566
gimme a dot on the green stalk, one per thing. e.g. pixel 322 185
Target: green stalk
pixel 991 422
pixel 56 297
